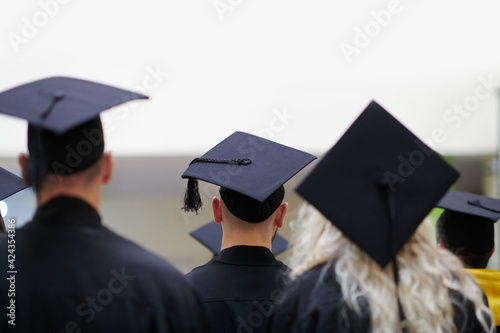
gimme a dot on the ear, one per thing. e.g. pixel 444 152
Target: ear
pixel 217 209
pixel 23 161
pixel 279 220
pixel 107 168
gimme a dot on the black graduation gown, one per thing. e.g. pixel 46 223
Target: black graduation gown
pixel 75 275
pixel 312 307
pixel 239 288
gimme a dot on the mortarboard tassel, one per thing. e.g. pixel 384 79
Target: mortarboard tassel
pixel 192 199
pixel 392 223
pixel 57 97
pixel 37 167
pixel 477 203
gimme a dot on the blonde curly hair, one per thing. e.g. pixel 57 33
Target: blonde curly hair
pixel 426 276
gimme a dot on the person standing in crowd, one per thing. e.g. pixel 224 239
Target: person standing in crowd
pixel 239 286
pixel 72 274
pixel 9 185
pixel 466 228
pixel 360 263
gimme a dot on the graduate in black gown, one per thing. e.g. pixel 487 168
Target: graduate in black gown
pixel 71 273
pixel 240 285
pixel 362 259
pixel 466 228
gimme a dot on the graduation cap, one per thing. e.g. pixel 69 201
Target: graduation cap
pixel 210 235
pixel 471 204
pixel 378 183
pixel 467 221
pixel 59 104
pixel 10 184
pixel 251 172
pixel 65 132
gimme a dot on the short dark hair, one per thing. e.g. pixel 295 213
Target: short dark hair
pixel 472 260
pixel 249 209
pixel 469 237
pixel 61 154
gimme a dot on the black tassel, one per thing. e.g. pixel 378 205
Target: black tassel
pixel 192 199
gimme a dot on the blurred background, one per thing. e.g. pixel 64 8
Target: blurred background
pixel 295 72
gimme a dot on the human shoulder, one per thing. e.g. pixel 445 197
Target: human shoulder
pixel 318 284
pixel 313 303
pixel 200 273
pixel 139 256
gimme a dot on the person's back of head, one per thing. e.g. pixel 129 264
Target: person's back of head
pixel 470 237
pixel 246 221
pixel 466 227
pixel 249 209
pixel 65 135
pixel 63 154
pixel 427 275
pixel 251 172
pixel 72 163
pixel 369 197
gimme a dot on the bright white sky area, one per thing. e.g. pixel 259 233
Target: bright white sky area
pixel 298 72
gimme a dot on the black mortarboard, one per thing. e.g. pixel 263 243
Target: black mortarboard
pixel 378 183
pixel 65 132
pixel 251 172
pixel 59 104
pixel 472 204
pixel 467 222
pixel 210 235
pixel 9 184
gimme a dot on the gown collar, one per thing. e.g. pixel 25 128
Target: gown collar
pixel 67 211
pixel 247 255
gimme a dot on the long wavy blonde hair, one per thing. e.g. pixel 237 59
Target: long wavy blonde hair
pixel 426 276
